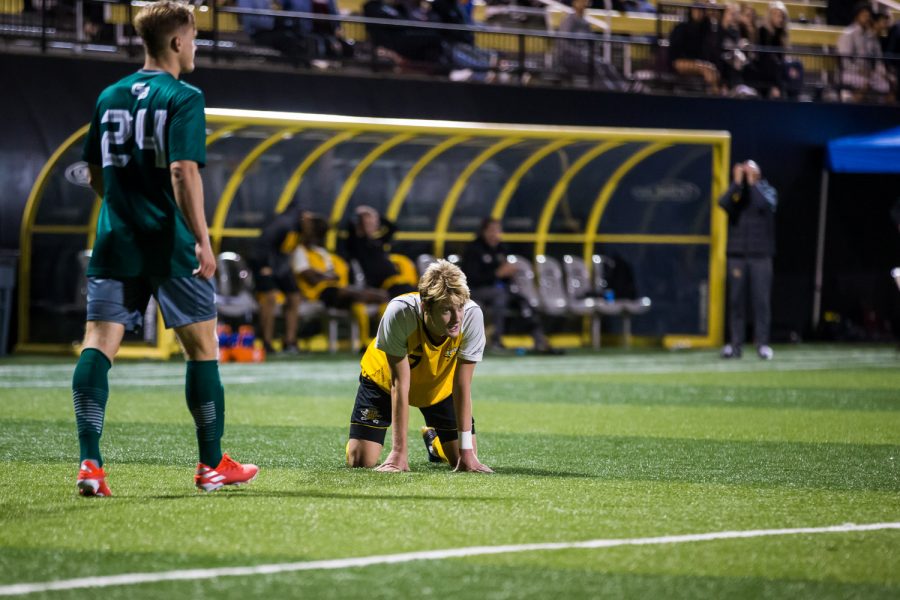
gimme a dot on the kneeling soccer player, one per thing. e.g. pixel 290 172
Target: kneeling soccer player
pixel 424 355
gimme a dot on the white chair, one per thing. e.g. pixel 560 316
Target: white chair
pixel 523 282
pixel 584 298
pixel 423 261
pixel 234 287
pixel 551 289
pixel 624 307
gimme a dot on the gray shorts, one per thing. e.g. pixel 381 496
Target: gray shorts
pixel 182 300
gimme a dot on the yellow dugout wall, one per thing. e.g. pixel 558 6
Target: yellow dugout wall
pixel 646 196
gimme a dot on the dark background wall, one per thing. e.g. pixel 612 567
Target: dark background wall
pixel 47 98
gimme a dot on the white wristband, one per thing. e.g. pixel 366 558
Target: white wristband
pixel 465 440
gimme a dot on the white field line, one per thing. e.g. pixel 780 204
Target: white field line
pixel 385 559
pixel 156 376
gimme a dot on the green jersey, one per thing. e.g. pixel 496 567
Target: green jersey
pixel 141 125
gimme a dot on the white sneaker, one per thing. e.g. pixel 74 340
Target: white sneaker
pixel 765 352
pixel 729 351
pixel 461 74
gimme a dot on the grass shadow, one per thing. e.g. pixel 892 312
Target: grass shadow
pixel 529 472
pixel 250 494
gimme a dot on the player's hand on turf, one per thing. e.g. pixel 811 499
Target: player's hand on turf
pixel 206 259
pixel 396 462
pixel 469 462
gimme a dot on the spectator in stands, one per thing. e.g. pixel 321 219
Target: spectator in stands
pixel 881 25
pixel 889 40
pixel 575 55
pixel 409 43
pixel 750 203
pixel 489 274
pixel 692 48
pixel 732 45
pixel 775 75
pixel 862 69
pixel 322 276
pixel 267 32
pixel 367 237
pixel 747 20
pixel 270 260
pixel 323 39
pixel 891 44
pixel 477 63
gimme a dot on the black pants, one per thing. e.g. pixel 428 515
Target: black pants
pixel 749 285
pixel 285 41
pixel 497 301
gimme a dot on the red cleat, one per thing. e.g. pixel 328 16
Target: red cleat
pixel 92 479
pixel 229 472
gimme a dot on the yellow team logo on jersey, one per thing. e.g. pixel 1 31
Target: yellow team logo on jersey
pixel 431 367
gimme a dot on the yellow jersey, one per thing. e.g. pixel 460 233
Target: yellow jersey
pixel 318 259
pixel 401 332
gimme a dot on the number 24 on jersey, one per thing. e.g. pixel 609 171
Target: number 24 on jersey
pixel 125 129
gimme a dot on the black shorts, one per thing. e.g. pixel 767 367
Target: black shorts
pixel 372 415
pixel 281 278
pixel 331 297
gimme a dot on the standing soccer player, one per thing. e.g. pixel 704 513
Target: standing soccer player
pixel 146 144
pixel 424 356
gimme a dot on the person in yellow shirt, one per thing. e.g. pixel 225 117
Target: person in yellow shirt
pixel 325 276
pixel 424 355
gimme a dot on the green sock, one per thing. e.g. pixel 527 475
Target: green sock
pixel 206 401
pixel 90 391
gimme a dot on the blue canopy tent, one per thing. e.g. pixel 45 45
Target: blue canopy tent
pixel 873 153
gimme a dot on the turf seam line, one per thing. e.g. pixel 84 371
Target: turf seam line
pixel 365 561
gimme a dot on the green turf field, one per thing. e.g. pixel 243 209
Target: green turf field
pixel 589 446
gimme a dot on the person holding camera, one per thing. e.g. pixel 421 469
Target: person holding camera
pixel 750 203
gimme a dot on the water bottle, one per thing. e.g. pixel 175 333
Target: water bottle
pixel 226 342
pixel 609 295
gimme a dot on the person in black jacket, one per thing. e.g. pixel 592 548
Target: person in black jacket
pixel 368 234
pixel 270 260
pixel 489 273
pixel 750 203
pixel 692 47
pixel 411 43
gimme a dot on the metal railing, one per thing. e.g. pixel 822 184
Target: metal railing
pixel 481 53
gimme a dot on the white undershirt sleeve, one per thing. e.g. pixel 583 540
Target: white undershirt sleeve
pixel 399 321
pixel 472 347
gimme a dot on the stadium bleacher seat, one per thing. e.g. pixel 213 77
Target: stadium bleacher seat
pixel 643 24
pixel 117 14
pixel 12 7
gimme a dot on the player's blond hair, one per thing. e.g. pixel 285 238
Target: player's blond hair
pixel 156 21
pixel 443 281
